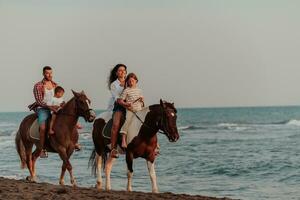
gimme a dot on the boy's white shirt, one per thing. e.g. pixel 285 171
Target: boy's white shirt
pixel 56 101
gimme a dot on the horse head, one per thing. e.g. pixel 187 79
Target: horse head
pixel 168 121
pixel 83 107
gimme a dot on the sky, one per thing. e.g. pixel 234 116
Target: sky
pixel 195 53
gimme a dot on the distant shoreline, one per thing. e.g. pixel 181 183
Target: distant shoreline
pixel 20 189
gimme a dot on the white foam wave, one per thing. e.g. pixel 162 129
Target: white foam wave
pixel 293 122
pixel 15 177
pixel 183 127
pixel 227 125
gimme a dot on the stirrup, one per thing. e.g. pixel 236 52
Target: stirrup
pixel 114 153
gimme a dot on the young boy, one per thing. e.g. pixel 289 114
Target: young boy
pixel 57 100
pixel 132 99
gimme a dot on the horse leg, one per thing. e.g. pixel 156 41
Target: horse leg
pixel 70 168
pixel 129 161
pixel 35 156
pixel 63 155
pixel 152 174
pixel 30 178
pixel 108 168
pixel 62 174
pixel 98 171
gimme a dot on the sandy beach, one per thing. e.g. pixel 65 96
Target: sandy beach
pixel 20 189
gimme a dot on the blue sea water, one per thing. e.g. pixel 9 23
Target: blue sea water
pixel 241 153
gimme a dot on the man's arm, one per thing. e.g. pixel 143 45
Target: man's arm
pixel 38 95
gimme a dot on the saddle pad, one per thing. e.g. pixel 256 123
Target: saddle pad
pixel 136 124
pixel 133 128
pixel 34 130
pixel 107 129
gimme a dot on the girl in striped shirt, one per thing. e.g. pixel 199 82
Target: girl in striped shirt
pixel 133 100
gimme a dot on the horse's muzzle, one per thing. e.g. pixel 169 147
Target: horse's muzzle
pixel 174 138
pixel 92 116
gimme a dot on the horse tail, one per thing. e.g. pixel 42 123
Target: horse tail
pixel 21 149
pixel 93 162
pixel 99 146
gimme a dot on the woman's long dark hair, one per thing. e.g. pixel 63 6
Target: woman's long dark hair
pixel 113 74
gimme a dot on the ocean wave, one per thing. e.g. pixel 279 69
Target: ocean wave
pixel 293 122
pixel 242 126
pixel 233 126
pixel 7 124
pixel 191 127
pixel 15 177
pixel 227 125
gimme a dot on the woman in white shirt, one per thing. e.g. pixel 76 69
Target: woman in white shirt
pixel 116 83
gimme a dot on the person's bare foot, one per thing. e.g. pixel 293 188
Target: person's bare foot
pixel 124 143
pixel 77 147
pixel 51 132
pixel 78 126
pixel 114 153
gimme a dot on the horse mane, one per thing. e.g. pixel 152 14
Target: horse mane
pixel 66 106
pixel 168 105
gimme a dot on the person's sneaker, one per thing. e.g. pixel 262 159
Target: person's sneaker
pixel 114 153
pixel 44 154
pixel 77 147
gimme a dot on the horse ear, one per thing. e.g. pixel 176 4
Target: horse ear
pixel 75 93
pixel 82 92
pixel 162 103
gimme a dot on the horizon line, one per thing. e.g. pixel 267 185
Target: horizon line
pixel 186 107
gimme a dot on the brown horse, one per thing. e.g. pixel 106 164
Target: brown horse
pixel 62 142
pixel 142 142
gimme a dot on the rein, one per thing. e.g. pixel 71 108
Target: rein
pixel 143 123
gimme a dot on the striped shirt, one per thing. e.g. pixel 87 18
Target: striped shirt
pixel 130 95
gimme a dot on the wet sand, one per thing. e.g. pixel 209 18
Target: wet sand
pixel 20 189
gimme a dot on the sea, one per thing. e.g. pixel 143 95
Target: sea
pixel 240 153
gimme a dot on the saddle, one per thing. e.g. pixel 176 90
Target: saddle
pixel 34 133
pixel 34 130
pixel 133 130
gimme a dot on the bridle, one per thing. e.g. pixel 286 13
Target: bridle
pixel 159 124
pixel 76 111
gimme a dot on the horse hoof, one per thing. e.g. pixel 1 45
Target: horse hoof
pixel 74 184
pixel 61 183
pixel 98 186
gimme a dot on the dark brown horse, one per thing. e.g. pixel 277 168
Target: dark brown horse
pixel 62 142
pixel 142 141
